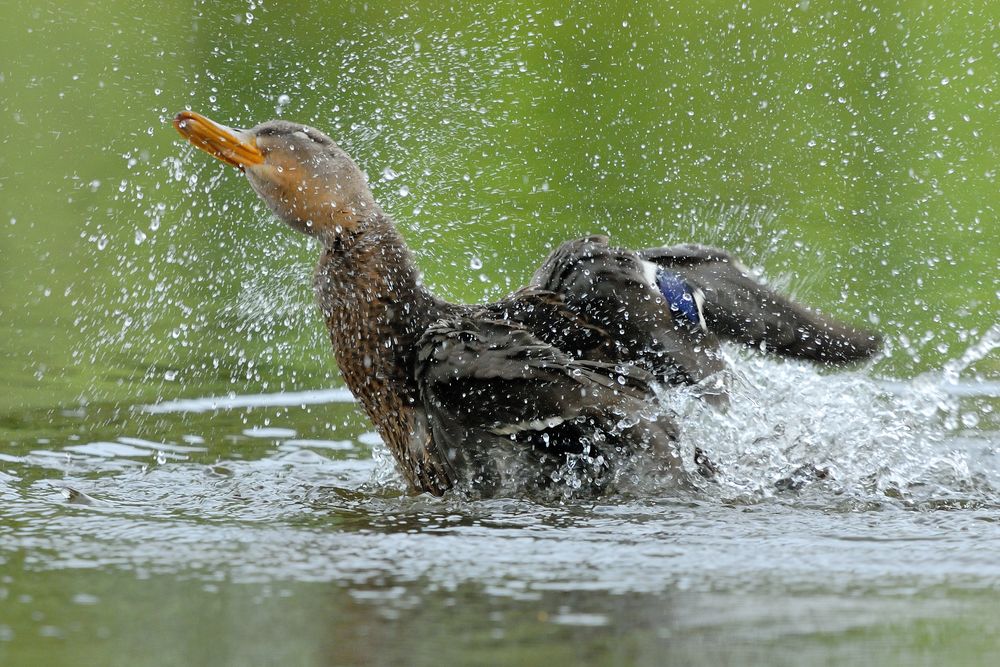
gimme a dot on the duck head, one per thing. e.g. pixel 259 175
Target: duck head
pixel 305 178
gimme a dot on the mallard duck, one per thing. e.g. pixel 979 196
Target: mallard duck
pixel 561 371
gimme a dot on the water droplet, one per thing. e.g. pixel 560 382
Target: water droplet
pixel 140 236
pixel 389 174
pixel 475 263
pixel 404 191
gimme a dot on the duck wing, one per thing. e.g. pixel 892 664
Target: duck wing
pixel 547 315
pixel 615 290
pixel 738 307
pixel 486 383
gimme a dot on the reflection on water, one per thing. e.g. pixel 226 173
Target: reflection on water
pixel 282 514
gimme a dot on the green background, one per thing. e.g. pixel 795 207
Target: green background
pixel 850 151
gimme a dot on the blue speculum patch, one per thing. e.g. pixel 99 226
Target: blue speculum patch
pixel 679 295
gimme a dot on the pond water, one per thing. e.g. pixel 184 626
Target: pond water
pixel 183 479
pixel 265 528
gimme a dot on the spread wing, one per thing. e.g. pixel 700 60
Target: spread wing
pixel 738 307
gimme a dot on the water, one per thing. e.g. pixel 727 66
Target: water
pixel 277 521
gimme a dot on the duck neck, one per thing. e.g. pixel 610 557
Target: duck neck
pixel 376 309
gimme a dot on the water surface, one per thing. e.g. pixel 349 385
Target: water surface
pixel 248 529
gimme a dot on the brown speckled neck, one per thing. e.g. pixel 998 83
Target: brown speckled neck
pixel 376 309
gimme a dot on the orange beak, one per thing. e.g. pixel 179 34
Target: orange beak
pixel 235 147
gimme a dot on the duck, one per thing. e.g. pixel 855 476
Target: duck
pixel 558 380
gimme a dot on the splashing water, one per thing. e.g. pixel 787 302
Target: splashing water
pixel 843 440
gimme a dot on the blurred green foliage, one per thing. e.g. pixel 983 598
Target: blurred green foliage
pixel 849 150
